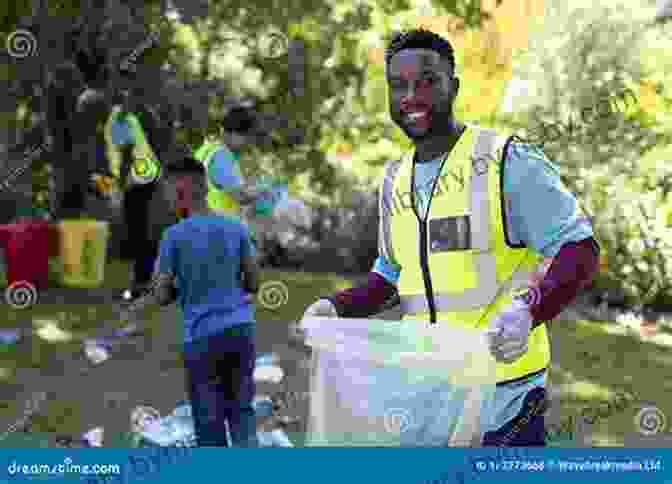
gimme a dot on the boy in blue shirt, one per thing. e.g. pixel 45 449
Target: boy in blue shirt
pixel 207 264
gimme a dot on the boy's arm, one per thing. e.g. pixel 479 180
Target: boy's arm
pixel 162 289
pixel 249 265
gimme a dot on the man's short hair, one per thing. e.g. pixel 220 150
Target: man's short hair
pixel 239 120
pixel 188 165
pixel 420 39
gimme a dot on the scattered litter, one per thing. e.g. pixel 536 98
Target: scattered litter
pixel 183 409
pixel 96 353
pixel 51 332
pixel 9 337
pixel 267 369
pixel 268 374
pixel 274 438
pixel 267 359
pixel 263 406
pixel 94 437
pixel 143 417
pixel 174 430
pixel 286 420
pixel 127 331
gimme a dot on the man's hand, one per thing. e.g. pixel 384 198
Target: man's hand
pixel 106 187
pixel 509 332
pixel 323 308
pixel 103 184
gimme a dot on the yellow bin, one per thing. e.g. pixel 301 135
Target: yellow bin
pixel 83 244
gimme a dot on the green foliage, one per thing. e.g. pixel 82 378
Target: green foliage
pixel 612 161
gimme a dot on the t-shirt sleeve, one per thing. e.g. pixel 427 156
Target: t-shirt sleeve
pixel 391 272
pixel 543 213
pixel 121 133
pixel 167 261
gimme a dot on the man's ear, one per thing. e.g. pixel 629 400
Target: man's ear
pixel 456 86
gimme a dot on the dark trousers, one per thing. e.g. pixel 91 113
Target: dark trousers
pixel 220 376
pixel 143 250
pixel 526 429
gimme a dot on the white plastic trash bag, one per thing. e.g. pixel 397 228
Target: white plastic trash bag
pixel 292 212
pixel 397 383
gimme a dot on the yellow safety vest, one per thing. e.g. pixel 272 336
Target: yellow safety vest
pixel 469 286
pixel 219 200
pixel 145 167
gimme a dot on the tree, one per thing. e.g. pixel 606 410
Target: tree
pixel 588 66
pixel 97 35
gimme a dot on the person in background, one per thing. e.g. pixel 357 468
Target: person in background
pixel 207 265
pixel 484 240
pixel 228 192
pixel 135 169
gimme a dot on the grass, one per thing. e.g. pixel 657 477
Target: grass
pixel 594 364
pixel 61 329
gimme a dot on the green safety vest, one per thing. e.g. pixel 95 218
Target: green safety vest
pixel 471 281
pixel 219 200
pixel 145 167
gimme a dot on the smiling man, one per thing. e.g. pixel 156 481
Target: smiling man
pixel 480 245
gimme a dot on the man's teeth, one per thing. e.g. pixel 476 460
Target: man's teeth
pixel 417 115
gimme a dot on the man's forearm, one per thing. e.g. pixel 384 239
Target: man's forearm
pixel 572 269
pixel 364 301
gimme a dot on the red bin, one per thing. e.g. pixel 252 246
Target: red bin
pixel 28 247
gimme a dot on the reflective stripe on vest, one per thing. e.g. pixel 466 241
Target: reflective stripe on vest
pixel 145 167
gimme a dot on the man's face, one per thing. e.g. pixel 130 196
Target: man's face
pixel 422 92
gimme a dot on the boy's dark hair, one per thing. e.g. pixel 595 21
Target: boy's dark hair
pixel 239 120
pixel 420 39
pixel 188 165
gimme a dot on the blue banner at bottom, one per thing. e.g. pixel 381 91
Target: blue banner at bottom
pixel 336 465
